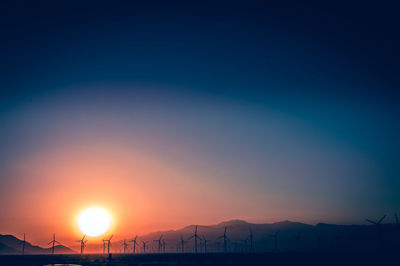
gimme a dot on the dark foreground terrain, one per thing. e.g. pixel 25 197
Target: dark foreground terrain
pixel 205 259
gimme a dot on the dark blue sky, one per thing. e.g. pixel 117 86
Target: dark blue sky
pixel 298 101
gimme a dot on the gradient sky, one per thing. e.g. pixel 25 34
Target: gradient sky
pixel 170 114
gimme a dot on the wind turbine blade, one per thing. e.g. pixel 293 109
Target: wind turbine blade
pixel 372 222
pixel 110 237
pixel 50 242
pixel 383 217
pixel 190 238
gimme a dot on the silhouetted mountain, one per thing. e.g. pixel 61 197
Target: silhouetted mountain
pixel 292 236
pixel 9 244
pixel 4 249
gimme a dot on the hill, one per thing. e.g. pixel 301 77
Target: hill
pixel 9 244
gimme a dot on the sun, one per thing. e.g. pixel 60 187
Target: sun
pixel 94 221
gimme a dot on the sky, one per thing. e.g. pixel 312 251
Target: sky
pixel 176 113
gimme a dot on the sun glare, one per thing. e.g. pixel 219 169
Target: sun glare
pixel 94 221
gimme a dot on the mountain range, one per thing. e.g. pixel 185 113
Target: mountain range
pixel 9 244
pixel 280 236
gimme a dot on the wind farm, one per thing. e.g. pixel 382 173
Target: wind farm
pixel 217 248
pixel 199 133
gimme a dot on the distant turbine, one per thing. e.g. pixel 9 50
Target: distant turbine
pixel 159 243
pixel 108 241
pixel 275 237
pixel 83 243
pixel 144 246
pixel 225 238
pixel 126 245
pixel 396 218
pixel 23 245
pixel 205 244
pixel 195 236
pixel 134 244
pixel 251 240
pixel 182 244
pixel 378 227
pixel 163 245
pixel 53 242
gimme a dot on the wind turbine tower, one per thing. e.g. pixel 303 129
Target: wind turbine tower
pixel 378 226
pixel 144 246
pixel 251 240
pixel 134 244
pixel 53 242
pixel 225 238
pixel 23 245
pixel 205 244
pixel 108 241
pixel 159 243
pixel 182 244
pixel 195 236
pixel 275 237
pixel 126 245
pixel 83 243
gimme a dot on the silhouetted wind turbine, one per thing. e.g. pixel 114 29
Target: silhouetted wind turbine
pixel 225 240
pixel 134 244
pixel 205 244
pixel 182 244
pixel 126 245
pixel 396 218
pixel 23 245
pixel 159 243
pixel 378 223
pixel 195 236
pixel 83 243
pixel 275 237
pixel 108 241
pixel 144 246
pixel 53 242
pixel 163 245
pixel 251 240
pixel 378 226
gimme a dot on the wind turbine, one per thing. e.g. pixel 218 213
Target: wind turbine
pixel 108 241
pixel 126 245
pixel 134 244
pixel 182 244
pixel 195 236
pixel 378 226
pixel 159 243
pixel 396 218
pixel 144 246
pixel 225 240
pixel 275 237
pixel 23 245
pixel 83 243
pixel 163 245
pixel 205 244
pixel 251 240
pixel 53 242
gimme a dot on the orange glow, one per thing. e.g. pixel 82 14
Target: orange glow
pixel 143 191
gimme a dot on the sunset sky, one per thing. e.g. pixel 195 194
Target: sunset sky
pixel 168 115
